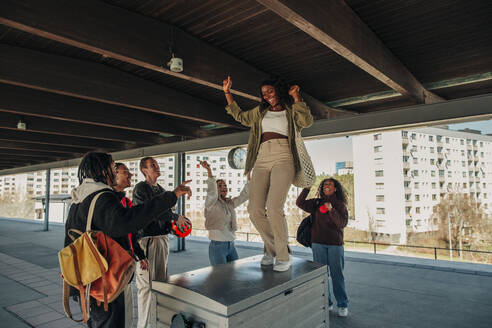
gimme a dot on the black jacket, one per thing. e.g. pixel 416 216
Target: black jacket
pixel 142 193
pixel 115 220
pixel 138 254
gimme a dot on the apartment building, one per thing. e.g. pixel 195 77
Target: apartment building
pixel 400 175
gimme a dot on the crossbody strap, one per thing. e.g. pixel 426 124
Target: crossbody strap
pixel 91 211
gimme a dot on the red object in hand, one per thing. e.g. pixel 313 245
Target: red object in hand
pixel 323 209
pixel 181 232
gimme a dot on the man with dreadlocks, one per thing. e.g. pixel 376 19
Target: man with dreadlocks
pixel 97 175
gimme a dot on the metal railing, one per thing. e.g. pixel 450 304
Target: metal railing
pixel 376 244
pixel 435 249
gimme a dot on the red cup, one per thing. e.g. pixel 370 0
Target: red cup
pixel 323 209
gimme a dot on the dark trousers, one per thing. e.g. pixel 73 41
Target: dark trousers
pixel 114 318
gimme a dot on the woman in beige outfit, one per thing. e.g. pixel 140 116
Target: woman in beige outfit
pixel 273 155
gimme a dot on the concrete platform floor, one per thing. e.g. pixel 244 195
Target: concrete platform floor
pixel 384 291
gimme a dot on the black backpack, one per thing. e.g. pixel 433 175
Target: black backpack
pixel 304 231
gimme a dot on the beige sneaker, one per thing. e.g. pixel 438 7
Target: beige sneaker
pixel 267 259
pixel 342 312
pixel 281 266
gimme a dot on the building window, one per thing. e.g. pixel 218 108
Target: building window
pixel 379 198
pixel 433 173
pixel 434 196
pixel 380 173
pixel 380 210
pixel 432 161
pixel 417 210
pixel 379 186
pixel 431 138
pixel 377 136
pixel 378 149
pixel 417 198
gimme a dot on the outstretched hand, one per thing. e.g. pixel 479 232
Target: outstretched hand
pixel 183 189
pixel 206 166
pixel 227 84
pixel 294 92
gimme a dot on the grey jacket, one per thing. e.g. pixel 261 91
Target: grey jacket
pixel 216 208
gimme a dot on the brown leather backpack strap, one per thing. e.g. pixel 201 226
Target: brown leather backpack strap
pixel 80 287
pixel 71 231
pixel 66 301
pixel 101 267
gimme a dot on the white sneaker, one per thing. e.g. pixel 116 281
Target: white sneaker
pixel 281 266
pixel 342 312
pixel 267 259
pixel 330 307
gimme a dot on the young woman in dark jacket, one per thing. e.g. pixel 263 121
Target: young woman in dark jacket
pixel 330 216
pixel 97 174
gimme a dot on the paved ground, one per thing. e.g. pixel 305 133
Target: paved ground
pixel 384 291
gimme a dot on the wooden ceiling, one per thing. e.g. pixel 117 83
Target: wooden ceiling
pixel 91 75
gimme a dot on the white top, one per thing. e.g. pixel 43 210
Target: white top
pixel 275 122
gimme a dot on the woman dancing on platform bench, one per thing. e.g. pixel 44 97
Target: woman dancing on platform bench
pixel 270 151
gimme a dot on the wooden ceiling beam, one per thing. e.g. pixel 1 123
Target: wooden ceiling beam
pixel 59 127
pixel 32 153
pixel 26 101
pixel 334 24
pixel 96 82
pixel 141 41
pixel 27 146
pixel 114 32
pixel 13 158
pixel 46 139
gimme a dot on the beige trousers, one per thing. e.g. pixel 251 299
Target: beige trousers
pixel 157 255
pixel 273 174
pixel 128 306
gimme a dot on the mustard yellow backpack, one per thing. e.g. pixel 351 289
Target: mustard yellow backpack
pixel 96 265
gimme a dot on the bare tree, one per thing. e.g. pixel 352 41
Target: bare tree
pixel 460 220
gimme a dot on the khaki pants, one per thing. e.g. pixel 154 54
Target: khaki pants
pixel 157 254
pixel 273 174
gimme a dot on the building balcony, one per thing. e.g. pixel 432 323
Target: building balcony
pixel 404 140
pixel 440 156
pixel 406 165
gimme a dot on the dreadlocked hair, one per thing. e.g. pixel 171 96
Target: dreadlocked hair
pixel 96 166
pixel 340 194
pixel 282 90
